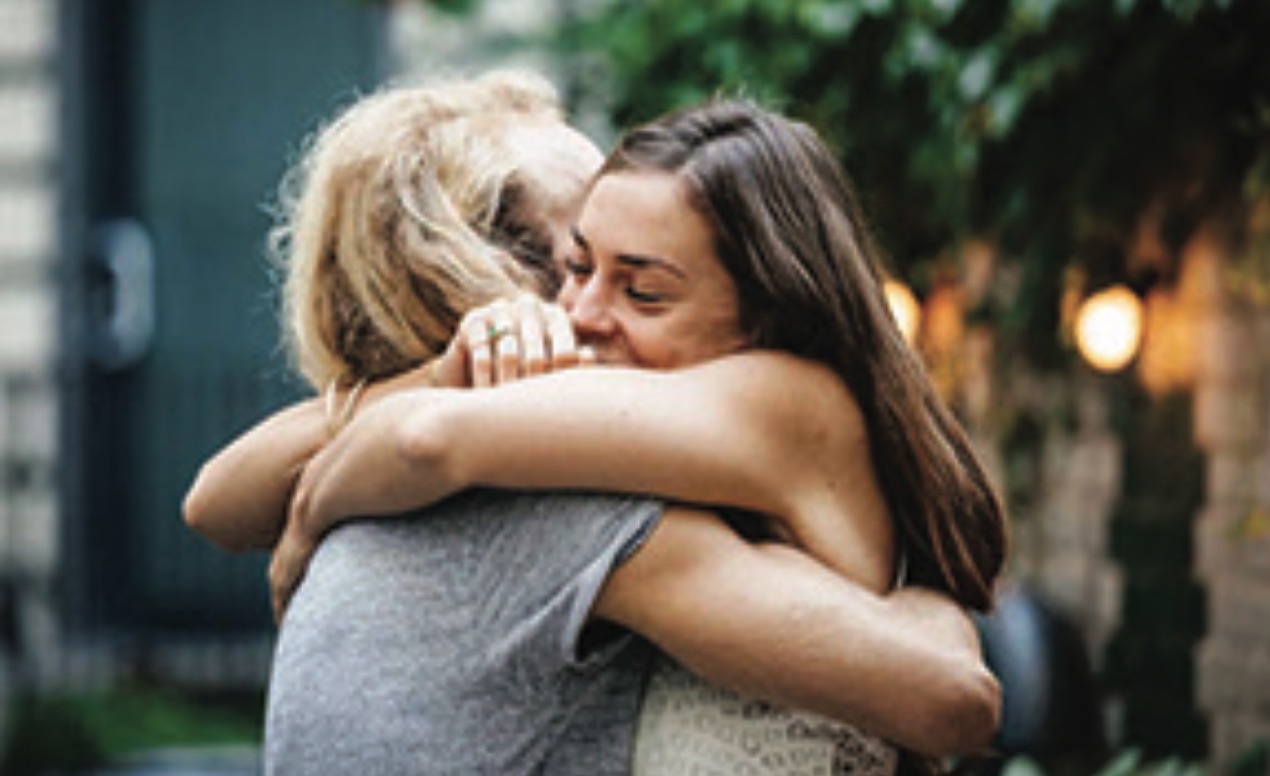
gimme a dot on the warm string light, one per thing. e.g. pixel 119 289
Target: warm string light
pixel 1109 328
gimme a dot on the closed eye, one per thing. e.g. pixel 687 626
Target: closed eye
pixel 577 267
pixel 644 297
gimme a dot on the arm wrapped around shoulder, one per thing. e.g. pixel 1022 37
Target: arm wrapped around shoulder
pixel 770 621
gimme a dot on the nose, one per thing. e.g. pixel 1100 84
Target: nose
pixel 589 307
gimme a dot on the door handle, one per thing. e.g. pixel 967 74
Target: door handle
pixel 121 294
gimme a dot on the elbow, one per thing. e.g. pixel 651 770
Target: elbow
pixel 966 722
pixel 198 511
pixel 193 510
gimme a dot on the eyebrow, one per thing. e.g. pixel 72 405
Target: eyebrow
pixel 634 260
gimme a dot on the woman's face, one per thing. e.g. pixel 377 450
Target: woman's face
pixel 643 285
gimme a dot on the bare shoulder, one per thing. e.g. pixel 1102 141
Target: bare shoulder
pixel 789 392
pixel 769 366
pixel 815 442
pixel 771 374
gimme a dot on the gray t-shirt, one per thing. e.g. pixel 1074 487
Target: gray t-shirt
pixel 451 643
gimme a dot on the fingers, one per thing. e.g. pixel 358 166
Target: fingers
pixel 287 567
pixel 563 345
pixel 480 336
pixel 290 558
pixel 505 341
pixel 532 332
pixel 450 369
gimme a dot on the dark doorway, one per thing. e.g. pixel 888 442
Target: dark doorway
pixel 180 119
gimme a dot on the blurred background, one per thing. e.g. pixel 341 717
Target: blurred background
pixel 1073 196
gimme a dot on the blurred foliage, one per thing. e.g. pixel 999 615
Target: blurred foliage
pixel 1126 763
pixel 1049 126
pixel 1130 762
pixel 448 6
pixel 79 732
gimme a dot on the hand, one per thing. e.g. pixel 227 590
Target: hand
pixel 507 340
pixel 288 565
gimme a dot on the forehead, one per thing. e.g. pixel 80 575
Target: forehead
pixel 645 213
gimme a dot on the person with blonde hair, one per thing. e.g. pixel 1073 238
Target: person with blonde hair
pixel 414 206
pixel 490 633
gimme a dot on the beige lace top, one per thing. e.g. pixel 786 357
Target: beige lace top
pixel 688 727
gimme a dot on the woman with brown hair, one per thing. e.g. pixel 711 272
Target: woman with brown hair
pixel 782 438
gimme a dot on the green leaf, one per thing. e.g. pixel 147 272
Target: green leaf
pixel 1022 766
pixel 1123 765
pixel 453 7
pixel 1034 14
pixel 1003 108
pixel 831 19
pixel 918 49
pixel 977 74
pixel 944 10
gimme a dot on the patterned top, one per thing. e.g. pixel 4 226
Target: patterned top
pixel 689 727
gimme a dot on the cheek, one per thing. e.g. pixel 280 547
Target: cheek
pixel 656 343
pixel 716 337
pixel 670 344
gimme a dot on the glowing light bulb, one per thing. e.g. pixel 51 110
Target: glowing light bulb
pixel 1109 328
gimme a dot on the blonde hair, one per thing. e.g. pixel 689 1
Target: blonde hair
pixel 388 224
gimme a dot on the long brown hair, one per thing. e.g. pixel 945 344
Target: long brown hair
pixel 790 231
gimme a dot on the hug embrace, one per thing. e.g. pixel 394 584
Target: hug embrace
pixel 615 465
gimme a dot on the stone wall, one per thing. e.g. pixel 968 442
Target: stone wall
pixel 1061 545
pixel 29 231
pixel 1232 532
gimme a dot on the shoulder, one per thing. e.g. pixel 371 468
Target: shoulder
pixel 775 377
pixel 767 365
pixel 789 398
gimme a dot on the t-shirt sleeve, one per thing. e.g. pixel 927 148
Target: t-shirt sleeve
pixel 583 539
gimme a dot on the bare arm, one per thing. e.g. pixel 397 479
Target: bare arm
pixel 239 498
pixel 770 621
pixel 759 431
